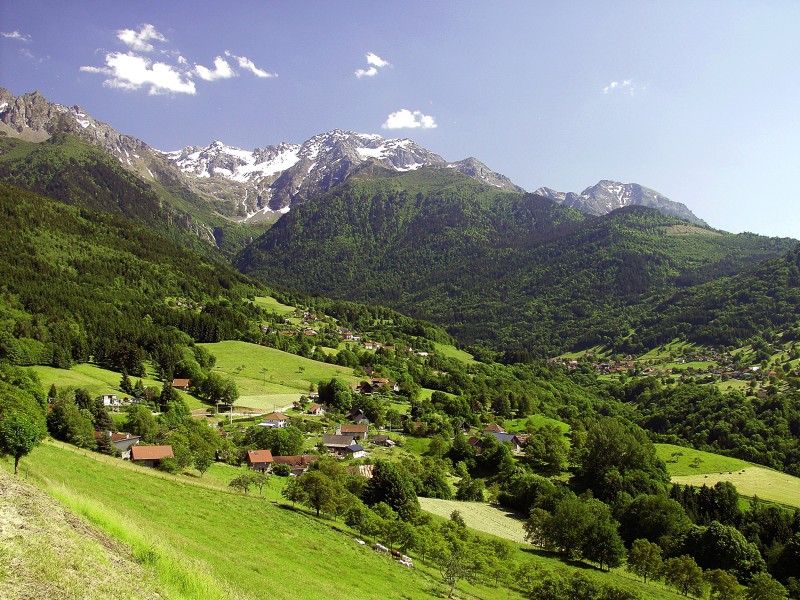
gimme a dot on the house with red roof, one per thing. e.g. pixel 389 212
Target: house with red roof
pixel 150 456
pixel 259 460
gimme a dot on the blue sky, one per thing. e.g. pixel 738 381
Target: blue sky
pixel 699 100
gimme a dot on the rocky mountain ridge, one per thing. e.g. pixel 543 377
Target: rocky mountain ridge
pixel 277 177
pixel 605 196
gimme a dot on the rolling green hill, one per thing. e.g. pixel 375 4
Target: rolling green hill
pixel 498 268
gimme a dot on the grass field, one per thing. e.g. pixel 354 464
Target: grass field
pixel 750 479
pixel 767 484
pixel 271 304
pixel 518 425
pixel 205 542
pixel 507 524
pixel 683 461
pixel 452 352
pixel 47 552
pixel 269 379
pixel 97 381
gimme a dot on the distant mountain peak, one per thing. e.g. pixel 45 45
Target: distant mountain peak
pixel 278 177
pixel 607 195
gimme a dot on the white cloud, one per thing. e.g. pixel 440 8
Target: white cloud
pixel 140 40
pixel 405 119
pixel 626 86
pixel 371 72
pixel 16 35
pixel 248 65
pixel 222 70
pixel 376 63
pixel 132 72
pixel 172 73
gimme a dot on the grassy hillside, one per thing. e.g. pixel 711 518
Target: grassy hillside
pixel 47 551
pixel 506 524
pixel 269 379
pixel 204 542
pixel 695 467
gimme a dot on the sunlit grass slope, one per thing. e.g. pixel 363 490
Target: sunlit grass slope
pixel 221 544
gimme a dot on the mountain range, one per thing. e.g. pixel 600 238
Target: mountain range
pixel 386 222
pixel 253 185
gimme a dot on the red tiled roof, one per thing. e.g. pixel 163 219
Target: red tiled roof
pixel 180 383
pixel 259 456
pixel 150 452
pixel 276 416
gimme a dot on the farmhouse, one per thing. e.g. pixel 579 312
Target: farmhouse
pixel 510 438
pixel 275 419
pixel 354 450
pixel 317 409
pixel 343 445
pixel 150 456
pixel 358 432
pixel 111 400
pixel 383 440
pixel 181 384
pixel 121 441
pixel 298 464
pixel 357 416
pixel 493 428
pixel 259 460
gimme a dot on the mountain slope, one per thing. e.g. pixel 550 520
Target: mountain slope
pixel 235 183
pixel 605 196
pixel 505 269
pixel 78 283
pixel 277 178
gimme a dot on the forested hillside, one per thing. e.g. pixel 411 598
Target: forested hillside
pixel 79 283
pixel 515 272
pixel 67 169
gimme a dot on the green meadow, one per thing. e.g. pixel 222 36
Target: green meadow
pixel 499 522
pixel 271 304
pixel 98 381
pixel 695 467
pixel 205 542
pixel 270 379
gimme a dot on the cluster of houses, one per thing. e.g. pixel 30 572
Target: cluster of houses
pixel 721 365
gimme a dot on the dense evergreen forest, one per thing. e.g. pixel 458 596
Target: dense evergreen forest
pixel 514 272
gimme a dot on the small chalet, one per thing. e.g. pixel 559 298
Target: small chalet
pixel 338 444
pixel 317 409
pixel 298 464
pixel 357 432
pixel 493 428
pixel 150 456
pixel 111 400
pixel 354 450
pixel 516 444
pixel 476 443
pixel 259 460
pixel 120 441
pixel 383 440
pixel 274 420
pixel 357 416
pixel 181 384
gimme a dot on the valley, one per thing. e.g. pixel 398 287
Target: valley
pixel 353 339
